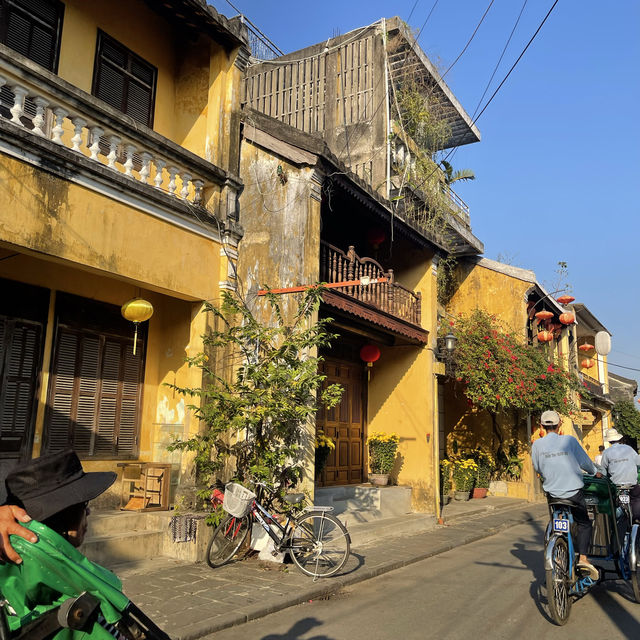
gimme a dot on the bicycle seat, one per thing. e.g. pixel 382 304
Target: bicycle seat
pixel 294 498
pixel 561 502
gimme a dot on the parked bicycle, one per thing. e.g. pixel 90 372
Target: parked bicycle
pixel 318 543
pixel 614 539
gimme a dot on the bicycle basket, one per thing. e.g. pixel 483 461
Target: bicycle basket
pixel 237 500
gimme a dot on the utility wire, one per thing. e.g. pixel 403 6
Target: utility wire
pixel 415 4
pixel 621 366
pixel 424 24
pixel 466 46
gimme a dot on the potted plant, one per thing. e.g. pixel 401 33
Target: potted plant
pixel 486 465
pixel 445 481
pixel 464 475
pixel 324 446
pixel 382 456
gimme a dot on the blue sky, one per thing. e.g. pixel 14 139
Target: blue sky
pixel 558 167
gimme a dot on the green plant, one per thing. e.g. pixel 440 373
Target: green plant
pixel 486 465
pixel 256 421
pixel 464 473
pixel 626 418
pixel 382 451
pixel 324 446
pixel 510 465
pixel 445 477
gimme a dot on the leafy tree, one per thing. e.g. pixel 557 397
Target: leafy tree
pixel 501 373
pixel 256 421
pixel 626 418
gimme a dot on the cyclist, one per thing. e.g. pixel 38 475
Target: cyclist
pixel 621 463
pixel 560 460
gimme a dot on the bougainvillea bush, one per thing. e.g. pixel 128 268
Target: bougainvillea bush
pixel 501 373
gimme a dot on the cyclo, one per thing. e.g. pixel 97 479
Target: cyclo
pixel 614 540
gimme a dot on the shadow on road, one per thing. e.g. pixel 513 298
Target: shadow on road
pixel 300 628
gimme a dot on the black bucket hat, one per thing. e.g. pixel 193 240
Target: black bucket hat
pixel 48 484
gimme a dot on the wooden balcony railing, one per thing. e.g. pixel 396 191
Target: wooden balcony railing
pixel 391 297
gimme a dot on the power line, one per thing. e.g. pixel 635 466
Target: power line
pixel 424 24
pixel 473 35
pixel 621 366
pixel 415 4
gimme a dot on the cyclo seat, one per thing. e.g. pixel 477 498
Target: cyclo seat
pixel 561 502
pixel 58 594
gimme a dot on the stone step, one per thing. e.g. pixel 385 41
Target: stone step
pixel 102 523
pixel 460 511
pixel 127 546
pixel 365 503
pixel 366 533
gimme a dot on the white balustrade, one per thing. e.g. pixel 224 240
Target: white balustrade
pixel 82 134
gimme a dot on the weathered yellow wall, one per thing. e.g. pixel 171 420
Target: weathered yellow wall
pixel 402 398
pixel 198 86
pixel 51 216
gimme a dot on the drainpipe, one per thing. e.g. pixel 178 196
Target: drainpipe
pixel 386 99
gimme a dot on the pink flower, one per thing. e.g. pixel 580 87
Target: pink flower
pixel 550 369
pixel 542 376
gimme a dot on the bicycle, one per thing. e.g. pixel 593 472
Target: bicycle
pixel 317 542
pixel 564 583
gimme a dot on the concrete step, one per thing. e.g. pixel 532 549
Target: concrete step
pixel 460 511
pixel 126 546
pixel 102 523
pixel 363 534
pixel 365 503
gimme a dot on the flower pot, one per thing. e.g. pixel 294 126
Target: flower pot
pixel 461 496
pixel 379 479
pixel 480 492
pixel 445 499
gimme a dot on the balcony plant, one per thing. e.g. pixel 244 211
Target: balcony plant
pixel 324 446
pixel 382 455
pixel 464 476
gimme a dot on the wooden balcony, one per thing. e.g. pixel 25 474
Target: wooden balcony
pixel 389 297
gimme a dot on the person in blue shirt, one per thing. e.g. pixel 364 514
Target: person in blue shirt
pixel 621 463
pixel 561 461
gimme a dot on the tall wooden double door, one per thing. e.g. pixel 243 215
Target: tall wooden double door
pixel 344 423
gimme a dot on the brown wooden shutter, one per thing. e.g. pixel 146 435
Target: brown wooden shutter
pixel 124 80
pixel 33 28
pixel 20 343
pixel 95 394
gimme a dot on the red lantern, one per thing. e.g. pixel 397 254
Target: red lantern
pixel 544 315
pixel 565 299
pixel 586 347
pixel 376 237
pixel 545 336
pixel 587 363
pixel 567 318
pixel 369 353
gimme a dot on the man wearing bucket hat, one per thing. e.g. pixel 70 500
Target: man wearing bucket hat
pixel 560 460
pixel 621 463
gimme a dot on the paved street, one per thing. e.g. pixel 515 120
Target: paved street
pixel 190 601
pixel 489 589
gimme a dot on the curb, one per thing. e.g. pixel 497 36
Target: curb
pixel 204 627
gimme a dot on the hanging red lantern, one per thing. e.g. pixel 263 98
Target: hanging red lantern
pixel 567 318
pixel 369 353
pixel 544 315
pixel 586 347
pixel 587 363
pixel 545 336
pixel 376 237
pixel 565 299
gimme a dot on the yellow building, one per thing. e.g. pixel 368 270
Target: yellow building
pixel 513 296
pixel 595 416
pixel 118 180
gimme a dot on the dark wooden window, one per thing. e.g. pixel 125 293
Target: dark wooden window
pixel 33 28
pixel 95 393
pixel 124 80
pixel 23 313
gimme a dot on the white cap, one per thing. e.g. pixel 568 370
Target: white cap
pixel 613 436
pixel 550 419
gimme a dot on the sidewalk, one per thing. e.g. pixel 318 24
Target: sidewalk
pixel 190 601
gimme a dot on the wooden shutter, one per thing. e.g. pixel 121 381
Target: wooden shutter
pixel 33 28
pixel 95 395
pixel 20 345
pixel 124 80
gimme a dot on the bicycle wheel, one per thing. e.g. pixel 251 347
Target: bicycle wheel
pixel 634 555
pixel 227 540
pixel 558 581
pixel 320 544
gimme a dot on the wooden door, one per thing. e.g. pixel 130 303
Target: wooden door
pixel 344 423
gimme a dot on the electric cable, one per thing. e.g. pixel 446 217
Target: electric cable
pixel 424 24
